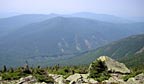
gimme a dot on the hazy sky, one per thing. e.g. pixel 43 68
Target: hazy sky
pixel 115 7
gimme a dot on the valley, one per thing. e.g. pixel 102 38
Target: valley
pixel 52 39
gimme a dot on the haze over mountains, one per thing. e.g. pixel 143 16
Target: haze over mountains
pixel 12 23
pixel 129 50
pixel 37 37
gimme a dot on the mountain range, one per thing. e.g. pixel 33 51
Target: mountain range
pixel 50 39
pixel 129 50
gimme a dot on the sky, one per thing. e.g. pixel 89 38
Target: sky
pixel 113 7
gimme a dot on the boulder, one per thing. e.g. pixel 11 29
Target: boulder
pixel 27 80
pixel 139 79
pixel 114 66
pixel 81 79
pixel 74 77
pixel 58 78
pixel 92 81
pixel 77 78
pixel 114 80
pixel 131 81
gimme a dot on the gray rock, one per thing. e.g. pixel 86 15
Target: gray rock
pixel 77 78
pixel 114 66
pixel 0 78
pixel 40 83
pixel 9 82
pixel 74 78
pixel 117 69
pixel 58 78
pixel 140 77
pixel 92 81
pixel 27 80
pixel 132 81
pixel 81 79
pixel 114 80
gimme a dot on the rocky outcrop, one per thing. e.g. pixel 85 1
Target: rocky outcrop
pixel 114 66
pixel 80 79
pixel 92 81
pixel 114 80
pixel 27 80
pixel 115 69
pixel 24 80
pixel 132 81
pixel 76 78
pixel 139 79
pixel 58 78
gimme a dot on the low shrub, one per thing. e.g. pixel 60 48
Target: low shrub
pixel 98 71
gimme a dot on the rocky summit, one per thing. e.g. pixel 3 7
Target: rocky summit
pixel 114 66
pixel 103 70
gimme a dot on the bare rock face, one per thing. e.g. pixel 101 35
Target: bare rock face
pixel 114 66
